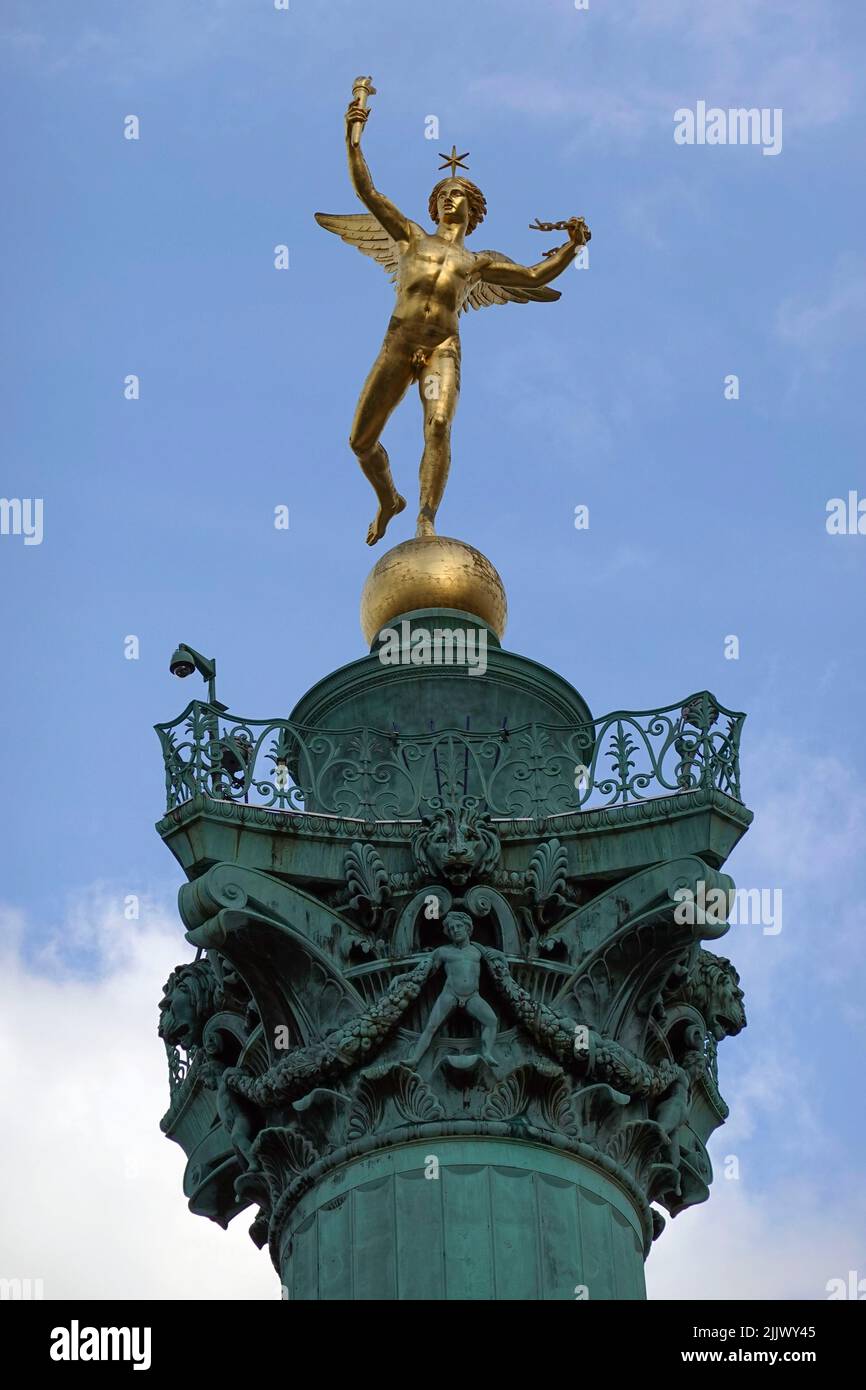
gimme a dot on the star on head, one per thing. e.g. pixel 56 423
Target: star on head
pixel 454 161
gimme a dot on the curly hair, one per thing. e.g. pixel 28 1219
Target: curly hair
pixel 475 198
pixel 198 980
pixel 456 916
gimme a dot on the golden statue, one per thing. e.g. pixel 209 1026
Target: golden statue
pixel 435 277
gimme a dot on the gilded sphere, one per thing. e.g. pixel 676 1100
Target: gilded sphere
pixel 432 572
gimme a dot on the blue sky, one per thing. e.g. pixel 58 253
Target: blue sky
pixel 707 516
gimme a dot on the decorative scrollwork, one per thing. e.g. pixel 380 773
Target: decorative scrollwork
pixel 533 771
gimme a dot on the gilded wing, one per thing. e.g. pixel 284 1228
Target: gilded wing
pixel 480 294
pixel 363 230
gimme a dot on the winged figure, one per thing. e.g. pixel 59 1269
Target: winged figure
pixel 436 279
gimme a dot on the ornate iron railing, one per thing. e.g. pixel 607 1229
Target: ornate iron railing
pixel 373 774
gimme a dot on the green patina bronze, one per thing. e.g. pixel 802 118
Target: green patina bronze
pixel 446 1031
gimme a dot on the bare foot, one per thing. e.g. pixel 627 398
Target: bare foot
pixel 387 510
pixel 424 527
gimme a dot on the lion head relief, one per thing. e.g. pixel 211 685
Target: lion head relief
pixel 713 988
pixel 456 843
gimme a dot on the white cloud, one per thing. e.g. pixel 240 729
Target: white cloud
pixel 91 1200
pixel 775 53
pixel 783 1241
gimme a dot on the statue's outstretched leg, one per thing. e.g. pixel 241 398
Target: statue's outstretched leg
pixel 479 1008
pixel 384 388
pixel 439 385
pixel 442 1009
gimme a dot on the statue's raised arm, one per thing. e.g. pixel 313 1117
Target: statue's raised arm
pixel 391 218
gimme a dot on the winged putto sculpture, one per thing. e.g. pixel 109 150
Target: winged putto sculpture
pixel 436 278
